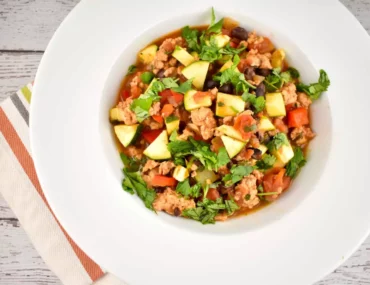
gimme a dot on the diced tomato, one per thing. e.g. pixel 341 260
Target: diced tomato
pixel 263 47
pixel 150 135
pixel 167 110
pixel 233 44
pixel 298 118
pixel 125 94
pixel 158 118
pixel 286 182
pixel 226 32
pixel 163 181
pixel 289 107
pixel 135 91
pixel 199 96
pixel 244 124
pixel 164 95
pixel 213 194
pixel 175 98
pixel 275 180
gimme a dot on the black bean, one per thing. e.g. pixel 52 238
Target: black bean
pixel 239 33
pixel 177 212
pixel 249 73
pixel 226 88
pixel 159 189
pixel 263 71
pixel 160 74
pixel 257 154
pixel 260 90
pixel 210 84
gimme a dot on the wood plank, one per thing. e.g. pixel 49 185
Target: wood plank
pixel 19 261
pixel 16 70
pixel 29 25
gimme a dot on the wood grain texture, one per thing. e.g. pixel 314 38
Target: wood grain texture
pixel 29 24
pixel 16 70
pixel 26 27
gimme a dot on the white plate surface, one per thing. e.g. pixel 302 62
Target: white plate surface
pixel 299 239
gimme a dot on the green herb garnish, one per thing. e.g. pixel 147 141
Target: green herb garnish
pixel 314 90
pixel 295 163
pixel 266 162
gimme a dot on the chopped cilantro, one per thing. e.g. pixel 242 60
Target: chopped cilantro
pixel 277 142
pixel 314 90
pixel 222 157
pixel 247 197
pixel 187 191
pixel 170 83
pixel 228 50
pixel 131 163
pixel 266 162
pixel 191 38
pixel 171 118
pixel 134 182
pixel 231 206
pixel 184 87
pixel 210 52
pixel 215 27
pixel 295 163
pixel 180 148
pixel 274 81
pixel 237 172
pixel 221 104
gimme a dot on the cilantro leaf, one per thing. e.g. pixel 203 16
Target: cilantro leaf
pixel 266 162
pixel 215 27
pixel 131 69
pixel 314 90
pixel 191 37
pixel 237 172
pixel 141 108
pixel 203 152
pixel 134 181
pixel 228 50
pixel 274 81
pixel 184 87
pixel 233 76
pixel 277 142
pixel 258 103
pixel 193 213
pixel 179 148
pixel 290 74
pixel 210 52
pixel 222 157
pixel 231 206
pixel 295 163
pixel 171 118
pixel 130 163
pixel 187 191
pixel 170 83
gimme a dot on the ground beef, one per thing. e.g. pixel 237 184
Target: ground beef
pixel 204 119
pixel 128 117
pixel 289 93
pixel 245 193
pixel 155 108
pixel 149 165
pixel 152 124
pixel 229 120
pixel 165 167
pixel 169 45
pixel 170 72
pixel 185 135
pixel 133 151
pixel 265 60
pixel 302 135
pixel 304 100
pixel 169 200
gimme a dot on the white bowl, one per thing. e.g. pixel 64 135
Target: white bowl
pixel 296 240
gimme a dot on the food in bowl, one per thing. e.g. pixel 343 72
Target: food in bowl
pixel 212 122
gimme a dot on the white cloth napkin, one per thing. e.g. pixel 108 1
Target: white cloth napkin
pixel 21 189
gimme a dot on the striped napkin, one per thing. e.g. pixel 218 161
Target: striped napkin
pixel 20 187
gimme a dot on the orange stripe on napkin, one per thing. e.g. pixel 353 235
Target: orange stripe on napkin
pixel 24 158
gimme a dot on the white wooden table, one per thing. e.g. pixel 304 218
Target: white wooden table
pixel 26 27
